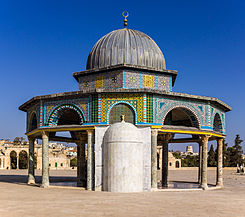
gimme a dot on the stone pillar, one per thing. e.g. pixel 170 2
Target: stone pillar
pixel 220 162
pixel 200 163
pixel 79 183
pixel 204 178
pixel 90 169
pixel 154 134
pixel 17 160
pixel 31 166
pixel 166 138
pixel 83 165
pixel 45 160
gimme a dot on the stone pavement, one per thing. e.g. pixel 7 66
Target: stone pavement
pixel 18 199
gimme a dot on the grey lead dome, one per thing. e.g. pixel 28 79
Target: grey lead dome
pixel 126 46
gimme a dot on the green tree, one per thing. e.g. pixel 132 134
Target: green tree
pixel 73 162
pixel 190 161
pixel 236 152
pixel 211 157
pixel 176 154
pixel 226 157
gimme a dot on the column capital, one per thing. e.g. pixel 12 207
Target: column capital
pixel 44 133
pixel 154 132
pixel 90 132
pixel 31 138
pixel 220 140
pixel 166 137
pixel 204 138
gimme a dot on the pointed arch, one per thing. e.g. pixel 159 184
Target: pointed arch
pixel 33 121
pixel 66 114
pixel 121 108
pixel 181 116
pixel 217 123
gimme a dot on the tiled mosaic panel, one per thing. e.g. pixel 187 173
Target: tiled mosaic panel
pixel 213 111
pixel 54 116
pixel 121 109
pixel 135 100
pixel 164 83
pixel 99 81
pixel 149 108
pixel 148 81
pixel 94 108
pixel 132 79
pixel 114 79
pixel 36 110
pixel 111 79
pixel 82 104
pixel 162 105
pixel 126 79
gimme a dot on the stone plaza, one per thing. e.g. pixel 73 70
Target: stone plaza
pixel 18 199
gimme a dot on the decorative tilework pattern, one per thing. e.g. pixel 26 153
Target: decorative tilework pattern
pixel 128 79
pixel 163 83
pixel 134 100
pixel 99 108
pixel 214 112
pixel 114 79
pixel 149 108
pixel 160 110
pixel 100 82
pixel 148 81
pixel 144 108
pixel 54 115
pixel 132 79
pixel 34 109
pixel 94 108
pixel 82 104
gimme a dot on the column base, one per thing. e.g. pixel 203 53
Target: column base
pixel 31 182
pixel 220 185
pixel 204 186
pixel 44 186
pixel 154 189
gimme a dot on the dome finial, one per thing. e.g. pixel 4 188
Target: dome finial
pixel 125 15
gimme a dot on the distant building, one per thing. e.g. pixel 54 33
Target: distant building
pixel 16 156
pixel 189 151
pixel 172 161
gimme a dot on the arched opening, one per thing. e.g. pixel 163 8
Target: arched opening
pixel 181 117
pixel 217 125
pixel 177 164
pixel 33 122
pixel 23 160
pixel 122 109
pixel 13 160
pixel 68 116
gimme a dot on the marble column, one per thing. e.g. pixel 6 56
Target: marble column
pixel 31 166
pixel 204 169
pixel 90 169
pixel 200 163
pixel 220 162
pixel 17 160
pixel 45 160
pixel 79 183
pixel 154 134
pixel 83 165
pixel 166 138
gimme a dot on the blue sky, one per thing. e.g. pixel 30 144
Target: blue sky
pixel 43 42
